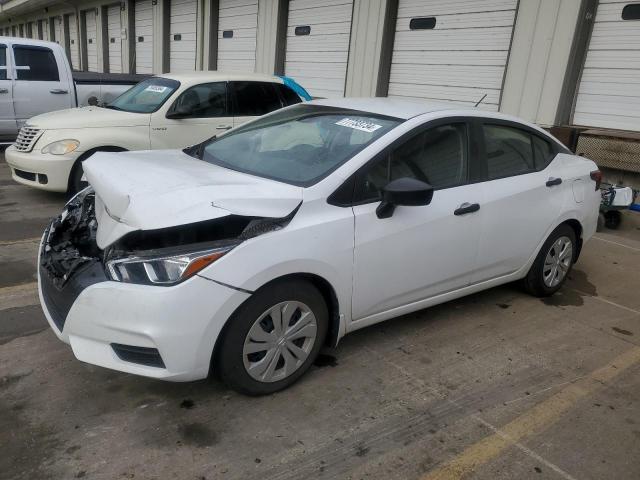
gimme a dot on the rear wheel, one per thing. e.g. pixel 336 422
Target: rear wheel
pixel 553 263
pixel 273 338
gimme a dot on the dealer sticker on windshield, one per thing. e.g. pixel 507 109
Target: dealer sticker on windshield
pixel 359 125
pixel 156 88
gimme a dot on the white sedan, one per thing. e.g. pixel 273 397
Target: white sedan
pixel 245 254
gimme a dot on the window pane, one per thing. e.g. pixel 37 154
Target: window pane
pixel 290 97
pixel 204 101
pixel 146 96
pixel 3 63
pixel 542 151
pixel 509 151
pixel 255 98
pixel 41 63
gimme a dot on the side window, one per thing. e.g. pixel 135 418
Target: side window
pixel 509 151
pixel 207 100
pixel 3 62
pixel 289 96
pixel 542 151
pixel 438 156
pixel 40 64
pixel 254 98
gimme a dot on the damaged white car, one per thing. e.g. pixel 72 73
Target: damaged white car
pixel 245 254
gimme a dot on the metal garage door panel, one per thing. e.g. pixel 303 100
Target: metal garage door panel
pixel 461 59
pixel 92 40
pixel 73 42
pixel 114 29
pixel 57 32
pixel 143 16
pixel 237 53
pixel 34 29
pixel 319 60
pixel 609 90
pixel 45 29
pixel 183 35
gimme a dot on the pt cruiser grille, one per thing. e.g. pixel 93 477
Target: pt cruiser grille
pixel 27 138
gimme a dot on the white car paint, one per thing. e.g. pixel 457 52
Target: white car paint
pixel 377 268
pixel 97 128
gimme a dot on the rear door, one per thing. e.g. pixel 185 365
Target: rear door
pixel 8 126
pixel 39 85
pixel 249 100
pixel 200 112
pixel 523 196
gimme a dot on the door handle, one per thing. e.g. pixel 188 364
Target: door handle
pixel 466 207
pixel 553 181
pixel 4 90
pixel 224 127
pixel 59 91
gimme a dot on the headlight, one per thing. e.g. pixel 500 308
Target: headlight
pixel 61 147
pixel 162 270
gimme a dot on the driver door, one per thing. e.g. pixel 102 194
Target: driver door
pixel 420 251
pixel 199 113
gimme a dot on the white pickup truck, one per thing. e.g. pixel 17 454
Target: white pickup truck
pixel 36 77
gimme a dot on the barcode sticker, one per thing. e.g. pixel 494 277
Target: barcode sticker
pixel 359 125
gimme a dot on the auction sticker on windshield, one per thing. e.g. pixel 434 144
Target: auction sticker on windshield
pixel 359 125
pixel 156 89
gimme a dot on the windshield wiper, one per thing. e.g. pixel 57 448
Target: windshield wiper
pixel 111 107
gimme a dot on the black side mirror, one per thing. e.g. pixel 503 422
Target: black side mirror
pixel 180 111
pixel 403 191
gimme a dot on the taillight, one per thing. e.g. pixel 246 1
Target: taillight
pixel 596 176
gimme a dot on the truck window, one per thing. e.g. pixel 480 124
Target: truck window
pixel 40 61
pixel 3 62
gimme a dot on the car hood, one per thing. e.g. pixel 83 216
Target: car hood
pixel 151 190
pixel 88 117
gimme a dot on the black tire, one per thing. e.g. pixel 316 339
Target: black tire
pixel 75 179
pixel 228 362
pixel 534 281
pixel 612 219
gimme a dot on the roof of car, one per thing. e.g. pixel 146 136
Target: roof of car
pixel 195 77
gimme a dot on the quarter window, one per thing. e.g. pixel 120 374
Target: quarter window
pixel 509 151
pixel 438 156
pixel 39 64
pixel 207 100
pixel 254 98
pixel 542 151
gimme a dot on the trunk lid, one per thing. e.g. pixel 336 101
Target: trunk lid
pixel 164 188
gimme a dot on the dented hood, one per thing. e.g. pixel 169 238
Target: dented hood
pixel 165 188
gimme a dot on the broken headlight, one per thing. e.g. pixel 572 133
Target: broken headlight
pixel 163 269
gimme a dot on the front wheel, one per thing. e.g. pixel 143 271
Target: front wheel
pixel 273 338
pixel 553 263
pixel 77 179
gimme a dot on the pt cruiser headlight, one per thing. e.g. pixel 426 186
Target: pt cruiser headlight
pixel 61 147
pixel 163 270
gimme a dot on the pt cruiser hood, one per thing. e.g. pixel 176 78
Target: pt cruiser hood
pixel 88 117
pixel 165 188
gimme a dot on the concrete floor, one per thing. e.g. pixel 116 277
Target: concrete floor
pixel 498 385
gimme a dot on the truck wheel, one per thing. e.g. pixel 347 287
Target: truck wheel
pixel 273 338
pixel 612 219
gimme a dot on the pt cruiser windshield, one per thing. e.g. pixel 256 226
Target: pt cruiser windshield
pixel 145 97
pixel 299 145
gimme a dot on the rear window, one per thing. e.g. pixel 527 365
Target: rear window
pixel 35 64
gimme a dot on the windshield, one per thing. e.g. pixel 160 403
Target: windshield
pixel 299 145
pixel 145 97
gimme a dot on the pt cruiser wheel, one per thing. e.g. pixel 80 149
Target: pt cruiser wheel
pixel 273 338
pixel 553 263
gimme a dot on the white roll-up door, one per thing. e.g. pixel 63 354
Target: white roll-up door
pixel 452 50
pixel 92 40
pixel 114 29
pixel 183 35
pixel 609 90
pixel 73 42
pixel 44 25
pixel 143 16
pixel 34 29
pixel 318 45
pixel 237 27
pixel 57 30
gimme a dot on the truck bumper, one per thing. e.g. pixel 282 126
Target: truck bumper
pixel 46 172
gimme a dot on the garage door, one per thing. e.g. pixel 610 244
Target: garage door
pixel 182 35
pixel 455 51
pixel 237 27
pixel 609 90
pixel 57 32
pixel 144 36
pixel 74 51
pixel 44 26
pixel 92 40
pixel 318 45
pixel 114 28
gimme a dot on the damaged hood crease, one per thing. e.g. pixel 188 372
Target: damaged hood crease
pixel 159 189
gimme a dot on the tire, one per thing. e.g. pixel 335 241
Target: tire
pixel 541 280
pixel 601 222
pixel 612 219
pixel 75 179
pixel 242 363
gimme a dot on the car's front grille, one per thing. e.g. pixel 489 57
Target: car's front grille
pixel 27 138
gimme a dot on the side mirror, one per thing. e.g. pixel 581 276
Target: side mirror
pixel 403 191
pixel 181 111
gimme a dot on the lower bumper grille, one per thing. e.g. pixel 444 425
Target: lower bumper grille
pixel 149 357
